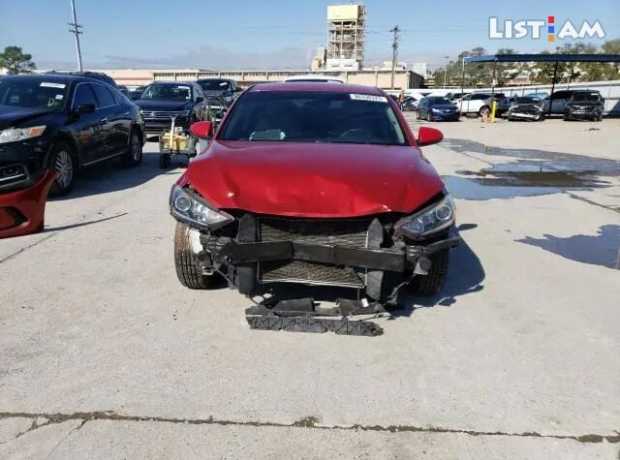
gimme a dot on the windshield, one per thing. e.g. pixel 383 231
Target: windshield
pixel 313 117
pixel 585 97
pixel 168 92
pixel 526 100
pixel 438 100
pixel 214 85
pixel 33 93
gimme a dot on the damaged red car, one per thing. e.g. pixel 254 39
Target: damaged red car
pixel 317 184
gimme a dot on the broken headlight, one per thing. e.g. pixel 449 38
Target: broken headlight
pixel 430 220
pixel 188 207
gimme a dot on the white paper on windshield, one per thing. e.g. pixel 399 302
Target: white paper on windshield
pixel 368 98
pixel 48 84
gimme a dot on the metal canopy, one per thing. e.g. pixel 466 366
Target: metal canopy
pixel 559 57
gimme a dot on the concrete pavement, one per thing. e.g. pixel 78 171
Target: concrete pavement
pixel 103 354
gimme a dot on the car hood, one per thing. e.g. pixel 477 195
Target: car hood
pixel 15 116
pixel 162 105
pixel 526 106
pixel 313 180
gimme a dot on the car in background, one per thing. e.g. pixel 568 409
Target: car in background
pixel 136 93
pixel 525 108
pixel 585 105
pixel 89 74
pixel 61 123
pixel 219 91
pixel 556 103
pixel 313 184
pixel 435 108
pixel 124 90
pixel 163 101
pixel 409 104
pixel 474 104
pixel 314 78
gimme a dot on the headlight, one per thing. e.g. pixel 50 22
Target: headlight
pixel 190 208
pixel 430 220
pixel 435 109
pixel 20 134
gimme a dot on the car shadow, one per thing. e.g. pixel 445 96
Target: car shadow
pixel 465 276
pixel 112 176
pixel 602 249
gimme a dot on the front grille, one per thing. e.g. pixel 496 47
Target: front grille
pixel 349 233
pixel 13 174
pixel 164 114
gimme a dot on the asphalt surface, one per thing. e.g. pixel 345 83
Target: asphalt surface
pixel 103 354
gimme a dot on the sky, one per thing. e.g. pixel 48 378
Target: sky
pixel 273 34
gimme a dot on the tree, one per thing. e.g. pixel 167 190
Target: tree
pixel 16 61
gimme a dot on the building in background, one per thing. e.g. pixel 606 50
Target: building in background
pixel 421 68
pixel 346 26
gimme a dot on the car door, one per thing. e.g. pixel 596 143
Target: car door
pixel 107 109
pixel 85 123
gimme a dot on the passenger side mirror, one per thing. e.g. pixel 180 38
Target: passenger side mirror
pixel 85 108
pixel 428 136
pixel 202 129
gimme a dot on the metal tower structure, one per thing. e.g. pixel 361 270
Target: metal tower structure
pixel 346 28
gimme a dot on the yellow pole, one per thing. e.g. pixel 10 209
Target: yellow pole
pixel 493 109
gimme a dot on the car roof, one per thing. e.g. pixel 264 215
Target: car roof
pixel 166 82
pixel 51 77
pixel 320 87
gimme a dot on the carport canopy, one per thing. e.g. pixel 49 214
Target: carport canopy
pixel 542 57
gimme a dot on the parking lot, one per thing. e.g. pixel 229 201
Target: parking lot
pixel 103 354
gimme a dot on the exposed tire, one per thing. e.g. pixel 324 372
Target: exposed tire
pixel 63 163
pixel 134 155
pixel 186 263
pixel 431 284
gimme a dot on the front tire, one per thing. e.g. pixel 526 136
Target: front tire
pixel 484 111
pixel 188 268
pixel 133 157
pixel 62 162
pixel 431 284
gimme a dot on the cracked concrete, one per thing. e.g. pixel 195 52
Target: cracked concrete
pixel 104 355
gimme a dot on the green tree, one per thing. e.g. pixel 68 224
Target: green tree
pixel 16 61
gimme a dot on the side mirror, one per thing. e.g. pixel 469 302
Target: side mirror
pixel 200 99
pixel 85 108
pixel 202 129
pixel 428 136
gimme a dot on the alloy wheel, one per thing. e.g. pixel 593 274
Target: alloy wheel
pixel 63 166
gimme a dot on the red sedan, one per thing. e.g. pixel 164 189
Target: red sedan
pixel 316 184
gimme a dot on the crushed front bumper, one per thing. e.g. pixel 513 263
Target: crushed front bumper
pixel 23 211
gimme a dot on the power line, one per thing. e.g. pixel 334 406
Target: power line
pixel 75 30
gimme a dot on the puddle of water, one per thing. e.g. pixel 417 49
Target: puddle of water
pixel 602 249
pixel 471 189
pixel 533 176
pixel 536 159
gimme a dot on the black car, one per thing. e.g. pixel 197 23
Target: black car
pixel 585 105
pixel 435 108
pixel 218 90
pixel 162 101
pixel 63 122
pixel 526 108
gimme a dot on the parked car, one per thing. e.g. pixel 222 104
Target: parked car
pixel 559 100
pixel 63 123
pixel 162 101
pixel 410 104
pixel 136 93
pixel 585 105
pixel 314 184
pixel 218 90
pixel 314 78
pixel 474 104
pixel 435 108
pixel 526 108
pixel 105 78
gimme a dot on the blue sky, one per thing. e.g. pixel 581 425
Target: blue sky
pixel 275 34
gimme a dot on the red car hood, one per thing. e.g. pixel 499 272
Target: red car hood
pixel 313 179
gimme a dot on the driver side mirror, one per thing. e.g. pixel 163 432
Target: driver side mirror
pixel 428 136
pixel 85 108
pixel 202 129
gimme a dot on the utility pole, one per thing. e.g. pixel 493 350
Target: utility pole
pixel 75 29
pixel 445 71
pixel 395 31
